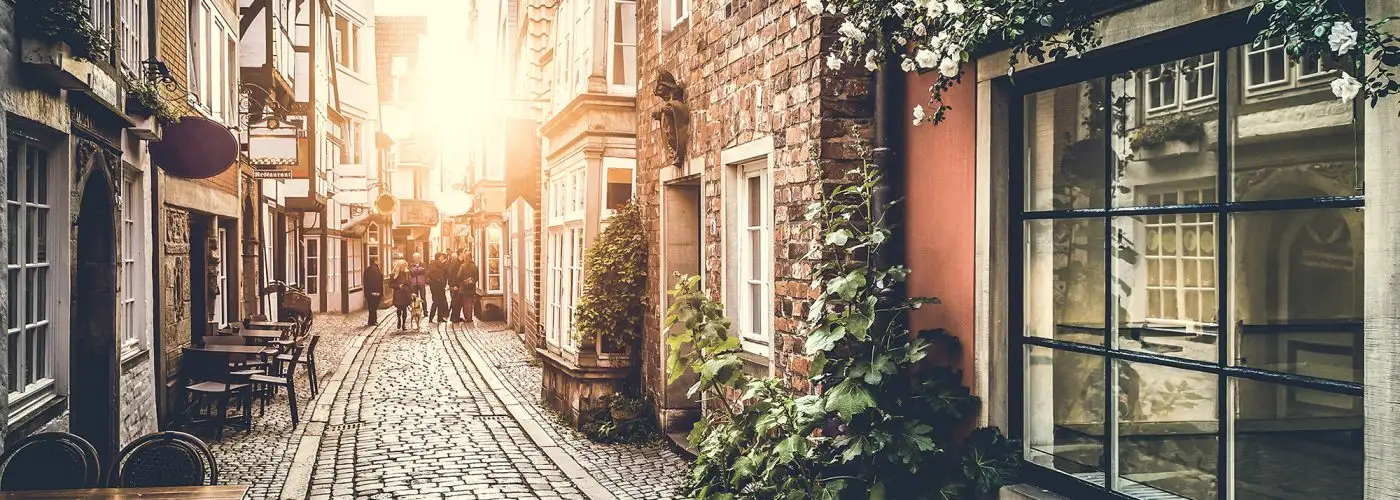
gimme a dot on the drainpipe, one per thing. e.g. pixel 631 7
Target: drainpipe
pixel 890 125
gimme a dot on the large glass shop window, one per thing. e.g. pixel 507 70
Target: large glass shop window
pixel 1190 287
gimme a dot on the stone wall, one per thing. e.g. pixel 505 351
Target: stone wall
pixel 751 70
pixel 137 401
pixel 175 287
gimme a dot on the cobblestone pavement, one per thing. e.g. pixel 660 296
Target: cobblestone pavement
pixel 260 458
pixel 629 472
pixel 415 420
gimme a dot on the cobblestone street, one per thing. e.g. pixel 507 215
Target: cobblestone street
pixel 451 411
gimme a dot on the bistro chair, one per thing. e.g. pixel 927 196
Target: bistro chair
pixel 164 459
pixel 266 385
pixel 212 383
pixel 50 461
pixel 309 360
pixel 241 364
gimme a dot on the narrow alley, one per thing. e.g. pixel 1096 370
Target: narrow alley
pixel 449 411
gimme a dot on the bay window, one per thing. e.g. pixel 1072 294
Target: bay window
pixel 1187 323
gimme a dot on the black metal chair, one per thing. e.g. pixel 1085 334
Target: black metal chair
pixel 50 461
pixel 309 360
pixel 164 459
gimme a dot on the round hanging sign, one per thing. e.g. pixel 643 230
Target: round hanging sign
pixel 386 204
pixel 195 148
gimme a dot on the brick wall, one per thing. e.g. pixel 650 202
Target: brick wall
pixel 751 69
pixel 396 36
pixel 137 400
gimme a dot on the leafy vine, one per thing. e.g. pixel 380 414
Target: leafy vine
pixel 613 303
pixel 147 96
pixel 885 425
pixel 64 21
pixel 928 35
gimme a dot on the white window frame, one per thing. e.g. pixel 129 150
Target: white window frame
pixel 1177 260
pixel 311 257
pixel 130 278
pixel 1293 75
pixel 213 61
pixel 31 153
pixel 554 294
pixel 752 160
pixel 372 244
pixel 221 312
pixel 494 239
pixel 100 12
pixel 618 45
pixel 133 35
pixel 1175 72
pixel 354 267
pixel 675 12
pixel 575 283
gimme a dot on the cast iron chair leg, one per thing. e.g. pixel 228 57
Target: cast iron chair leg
pixel 292 402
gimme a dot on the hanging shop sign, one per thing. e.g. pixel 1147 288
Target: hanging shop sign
pixel 272 149
pixel 195 148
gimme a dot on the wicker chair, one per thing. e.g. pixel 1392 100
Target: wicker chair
pixel 50 461
pixel 164 459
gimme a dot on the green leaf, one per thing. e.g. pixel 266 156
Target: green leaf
pixel 849 398
pixel 790 448
pixel 877 491
pixel 822 340
pixel 838 237
pixel 859 325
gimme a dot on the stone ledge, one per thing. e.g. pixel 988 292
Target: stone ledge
pixel 1026 492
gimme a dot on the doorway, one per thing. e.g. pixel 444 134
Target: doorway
pixel 682 246
pixel 93 339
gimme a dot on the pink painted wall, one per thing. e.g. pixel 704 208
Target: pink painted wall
pixel 941 218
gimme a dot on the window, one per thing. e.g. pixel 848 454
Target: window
pixel 622 61
pixel 347 43
pixel 750 231
pixel 1200 337
pixel 1270 68
pixel 372 244
pixel 575 277
pixel 558 330
pixel 1180 83
pixel 130 276
pixel 30 306
pixel 100 12
pixel 492 269
pixel 213 75
pixel 133 29
pixel 354 143
pixel 313 266
pixel 354 266
pixel 619 190
pixel 676 10
pixel 221 303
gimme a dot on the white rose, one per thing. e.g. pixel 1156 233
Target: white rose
pixel 934 8
pixel 956 8
pixel 1346 87
pixel 850 30
pixel 833 62
pixel 813 6
pixel 1343 38
pixel 908 65
pixel 926 58
pixel 899 9
pixel 919 30
pixel 899 40
pixel 953 51
pixel 831 8
pixel 870 62
pixel 918 114
pixel 949 67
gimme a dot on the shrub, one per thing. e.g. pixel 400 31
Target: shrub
pixel 618 419
pixel 65 21
pixel 615 282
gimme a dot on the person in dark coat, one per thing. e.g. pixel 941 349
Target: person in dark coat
pixel 374 289
pixel 403 291
pixel 437 282
pixel 467 274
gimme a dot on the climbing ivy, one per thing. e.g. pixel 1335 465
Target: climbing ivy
pixel 886 420
pixel 63 21
pixel 613 303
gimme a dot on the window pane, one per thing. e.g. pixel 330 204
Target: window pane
pixel 755 201
pixel 1296 444
pixel 12 218
pixel 1066 160
pixel 1064 411
pixel 40 232
pixel 12 358
pixel 1064 276
pixel 755 258
pixel 1303 147
pixel 1167 431
pixel 12 181
pixel 1148 294
pixel 757 309
pixel 1297 291
pixel 12 319
pixel 40 294
pixel 38 351
pixel 1156 153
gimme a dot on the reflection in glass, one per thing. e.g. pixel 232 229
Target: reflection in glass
pixel 1291 137
pixel 1167 430
pixel 1164 121
pixel 1066 158
pixel 1065 280
pixel 1064 410
pixel 1164 284
pixel 1297 286
pixel 1296 444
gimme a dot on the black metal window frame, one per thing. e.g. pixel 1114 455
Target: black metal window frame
pixel 1220 36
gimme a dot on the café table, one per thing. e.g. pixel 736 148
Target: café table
pixel 281 325
pixel 223 492
pixel 229 349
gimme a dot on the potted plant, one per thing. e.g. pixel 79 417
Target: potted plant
pixel 60 27
pixel 144 98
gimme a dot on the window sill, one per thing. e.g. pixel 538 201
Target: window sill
pixel 755 364
pixel 132 354
pixel 33 406
pixel 1026 492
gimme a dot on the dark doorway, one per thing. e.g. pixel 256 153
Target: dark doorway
pixel 200 304
pixel 93 338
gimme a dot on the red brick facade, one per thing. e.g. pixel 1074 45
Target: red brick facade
pixel 751 69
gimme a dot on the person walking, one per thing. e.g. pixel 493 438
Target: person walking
pixel 374 289
pixel 403 291
pixel 418 274
pixel 454 284
pixel 466 276
pixel 437 282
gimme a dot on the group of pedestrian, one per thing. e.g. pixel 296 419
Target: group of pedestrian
pixel 454 272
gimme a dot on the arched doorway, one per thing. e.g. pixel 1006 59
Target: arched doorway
pixel 93 335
